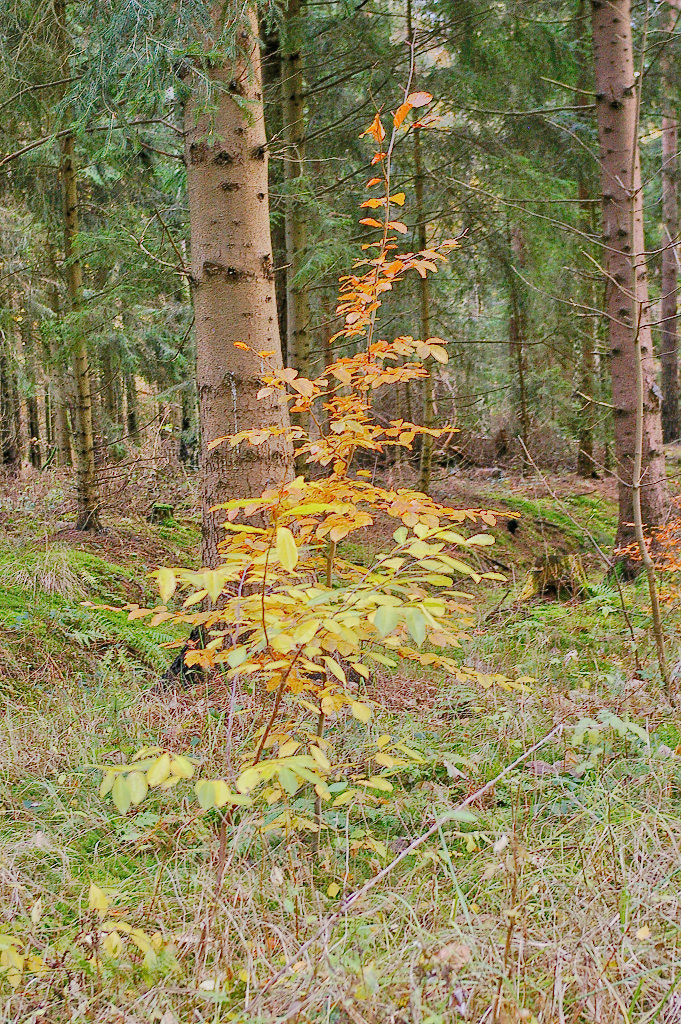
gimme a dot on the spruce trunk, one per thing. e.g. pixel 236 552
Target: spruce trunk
pixel 670 221
pixel 233 287
pixel 86 475
pixel 295 216
pixel 626 285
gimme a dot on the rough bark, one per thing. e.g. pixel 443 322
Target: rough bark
pixel 86 475
pixel 670 220
pixel 295 216
pixel 233 286
pixel 626 283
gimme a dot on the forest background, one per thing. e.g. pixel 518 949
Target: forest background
pixel 180 179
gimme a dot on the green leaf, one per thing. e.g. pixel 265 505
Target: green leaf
pixel 416 624
pixel 288 781
pixel 205 793
pixel 386 619
pixel 120 794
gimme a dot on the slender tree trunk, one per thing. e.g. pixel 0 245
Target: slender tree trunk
pixel 272 93
pixel 32 416
pixel 11 453
pixel 131 414
pixel 516 335
pixel 626 286
pixel 58 395
pixel 233 286
pixel 429 409
pixel 17 403
pixel 295 216
pixel 670 220
pixel 86 476
pixel 586 465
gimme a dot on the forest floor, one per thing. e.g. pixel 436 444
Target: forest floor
pixel 558 899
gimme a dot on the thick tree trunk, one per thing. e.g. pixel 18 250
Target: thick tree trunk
pixel 626 286
pixel 670 220
pixel 86 476
pixel 295 216
pixel 233 287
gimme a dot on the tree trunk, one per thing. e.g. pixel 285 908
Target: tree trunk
pixel 131 414
pixel 586 464
pixel 58 398
pixel 86 476
pixel 626 286
pixel 516 334
pixel 11 453
pixel 429 410
pixel 32 416
pixel 233 286
pixel 295 215
pixel 670 220
pixel 271 81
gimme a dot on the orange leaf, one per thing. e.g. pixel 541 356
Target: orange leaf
pixel 401 113
pixel 375 129
pixel 240 344
pixel 398 226
pixel 371 222
pixel 373 204
pixel 377 157
pixel 419 99
pixel 373 181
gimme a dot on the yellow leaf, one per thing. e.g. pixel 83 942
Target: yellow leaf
pixel 335 669
pixel 167 582
pixel 398 198
pixel 360 711
pixel 377 782
pixel 97 899
pixel 182 767
pixel 287 551
pixel 320 757
pixel 333 890
pixel 439 353
pixel 159 771
pixel 137 787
